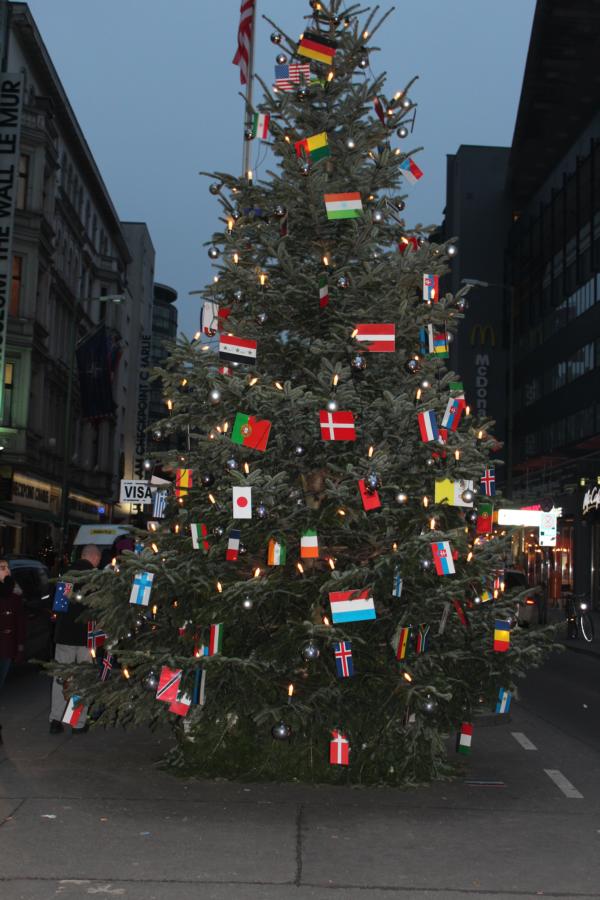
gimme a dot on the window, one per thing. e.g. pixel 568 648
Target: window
pixel 23 181
pixel 15 286
pixel 7 410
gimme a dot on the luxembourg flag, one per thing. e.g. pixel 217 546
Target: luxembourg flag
pixel 442 558
pixel 504 698
pixel 74 711
pixel 428 426
pixel 352 606
pixel 410 170
pixel 453 413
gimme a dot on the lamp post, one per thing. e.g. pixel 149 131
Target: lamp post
pixel 64 496
pixel 476 282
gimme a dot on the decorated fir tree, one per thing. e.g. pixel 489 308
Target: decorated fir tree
pixel 322 599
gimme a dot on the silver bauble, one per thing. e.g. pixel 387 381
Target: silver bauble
pixel 232 463
pixel 302 93
pixel 400 204
pixel 281 59
pixel 425 564
pixel 214 395
pixel 343 282
pixel 275 38
pixel 214 188
pixel 207 479
pixel 310 652
pixel 358 363
pixel 471 516
pixel 299 450
pixel 238 295
pixel 281 731
pixel 261 318
pixel 332 405
pixel 363 62
pixel 425 384
pixel 151 681
pixel 248 134
pixel 451 249
pixel 350 144
pixel 157 435
pixel 304 168
pixel 147 464
pixel 262 511
pixel 378 216
pixel 218 531
pixel 429 705
pixel 372 482
pixel 279 211
pixel 468 495
pixel 214 252
pixel 402 132
pixel 412 366
pixel 406 103
pixel 247 602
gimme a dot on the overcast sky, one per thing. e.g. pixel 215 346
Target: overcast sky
pixel 153 87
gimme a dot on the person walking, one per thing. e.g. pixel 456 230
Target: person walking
pixel 71 642
pixel 12 623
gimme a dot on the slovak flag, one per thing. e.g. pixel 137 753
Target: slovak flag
pixel 337 426
pixel 488 482
pixel 410 170
pixel 377 338
pixel 339 749
pixel 431 288
pixel 74 710
pixel 428 426
pixel 453 413
pixel 343 659
pixel 442 558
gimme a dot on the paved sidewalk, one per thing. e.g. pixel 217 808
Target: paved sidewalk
pixel 93 815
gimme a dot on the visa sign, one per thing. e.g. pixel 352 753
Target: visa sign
pixel 135 492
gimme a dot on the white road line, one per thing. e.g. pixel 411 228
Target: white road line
pixel 523 740
pixel 564 784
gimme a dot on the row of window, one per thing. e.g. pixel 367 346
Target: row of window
pixel 576 304
pixel 557 376
pixel 576 427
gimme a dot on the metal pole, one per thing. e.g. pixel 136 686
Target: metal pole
pixel 4 32
pixel 64 497
pixel 248 104
pixel 511 387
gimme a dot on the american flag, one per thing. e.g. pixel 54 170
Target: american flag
pixel 289 76
pixel 242 55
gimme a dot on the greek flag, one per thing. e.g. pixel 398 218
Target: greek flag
pixel 159 502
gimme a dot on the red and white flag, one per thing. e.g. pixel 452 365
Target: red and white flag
pixel 245 37
pixel 377 338
pixel 74 710
pixel 339 749
pixel 337 426
pixel 370 499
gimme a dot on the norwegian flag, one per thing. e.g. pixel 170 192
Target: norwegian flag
pixel 245 36
pixel 337 426
pixel 488 482
pixel 95 636
pixel 343 659
pixel 339 749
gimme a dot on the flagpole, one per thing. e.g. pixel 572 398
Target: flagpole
pixel 247 145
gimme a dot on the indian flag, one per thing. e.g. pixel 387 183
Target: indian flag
pixel 309 544
pixel 260 125
pixel 316 147
pixel 276 553
pixel 343 206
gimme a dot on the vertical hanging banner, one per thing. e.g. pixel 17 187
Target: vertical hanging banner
pixel 11 104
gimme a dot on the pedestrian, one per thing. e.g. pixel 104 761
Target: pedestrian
pixel 71 642
pixel 12 623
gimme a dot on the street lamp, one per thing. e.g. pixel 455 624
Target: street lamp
pixel 64 497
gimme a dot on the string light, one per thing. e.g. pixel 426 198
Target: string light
pixel 418 394
pixel 93 653
pixel 432 524
pixel 219 587
pixel 365 34
pixel 225 427
pixel 331 563
pixel 425 502
pixel 279 385
pixel 395 547
pixel 176 528
pixel 215 279
pixel 354 333
pixel 407 677
pixel 467 410
pixel 341 512
pixel 253 381
pixel 236 258
pixel 371 451
pixel 256 572
pixel 126 672
pixel 457 455
pixel 335 380
pixel 170 405
pixel 212 498
pixel 246 469
pixel 469 556
pixel 154 609
pixel 249 176
pixel 230 223
pixel 290 692
pixel 263 278
pixel 479 435
pixel 113 561
pixel 197 336
pixel 325 260
pixel 325 621
pixel 184 382
pixel 330 75
pixel 154 547
pixel 300 568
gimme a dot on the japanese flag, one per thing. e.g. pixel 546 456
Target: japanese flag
pixel 242 502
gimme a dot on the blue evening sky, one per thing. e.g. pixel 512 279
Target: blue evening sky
pixel 156 95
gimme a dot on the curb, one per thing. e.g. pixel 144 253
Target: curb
pixel 583 650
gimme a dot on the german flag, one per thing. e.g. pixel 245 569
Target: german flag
pixel 315 46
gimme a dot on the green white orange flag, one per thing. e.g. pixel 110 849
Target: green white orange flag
pixel 309 544
pixel 250 431
pixel 260 125
pixel 276 553
pixel 344 206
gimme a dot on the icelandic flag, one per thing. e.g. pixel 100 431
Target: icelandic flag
pixel 442 558
pixel 233 545
pixel 431 288
pixel 62 594
pixel 168 684
pixel 410 170
pixel 343 659
pixel 352 606
pixel 141 588
pixel 428 426
pixel 453 413
pixel 504 698
pixel 488 482
pixel 74 710
pixel 465 736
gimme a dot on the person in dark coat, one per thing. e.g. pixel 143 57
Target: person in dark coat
pixel 12 623
pixel 71 642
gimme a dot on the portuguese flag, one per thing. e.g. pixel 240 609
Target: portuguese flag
pixel 250 431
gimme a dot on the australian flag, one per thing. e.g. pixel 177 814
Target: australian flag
pixel 62 594
pixel 96 362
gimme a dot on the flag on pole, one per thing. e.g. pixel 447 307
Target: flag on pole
pixel 460 612
pixel 209 320
pixel 337 426
pixel 504 698
pixel 215 640
pixel 323 291
pixel 434 343
pixel 442 558
pixel 260 125
pixel 343 659
pixel 233 545
pixel 245 37
pixel 309 544
pixel 343 206
pixel 339 749
pixel 431 288
pixel 199 692
pixel 314 147
pixel 199 533
pixel 250 431
pixel 410 170
pixel 62 593
pixel 377 338
pixel 402 643
pixel 454 410
pixel 316 46
pixel 107 665
pixel 379 111
pixel 465 735
pixel 276 553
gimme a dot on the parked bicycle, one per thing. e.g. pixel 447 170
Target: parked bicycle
pixel 579 619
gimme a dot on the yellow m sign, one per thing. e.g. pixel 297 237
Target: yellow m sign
pixel 482 334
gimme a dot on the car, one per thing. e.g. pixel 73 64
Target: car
pixel 528 596
pixel 32 577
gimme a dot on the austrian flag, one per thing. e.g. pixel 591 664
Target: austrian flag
pixel 337 426
pixel 235 349
pixel 377 338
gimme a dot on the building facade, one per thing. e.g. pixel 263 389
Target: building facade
pixel 164 331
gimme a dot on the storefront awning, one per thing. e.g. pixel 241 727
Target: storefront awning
pixel 103 535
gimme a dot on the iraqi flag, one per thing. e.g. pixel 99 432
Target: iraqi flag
pixel 428 426
pixel 464 738
pixel 339 749
pixel 453 413
pixel 352 606
pixel 74 711
pixel 250 431
pixel 309 544
pixel 377 338
pixel 344 206
pixel 431 288
pixel 168 684
pixel 242 502
pixel 370 499
pixel 233 545
pixel 236 349
pixel 410 170
pixel 337 426
pixel 442 558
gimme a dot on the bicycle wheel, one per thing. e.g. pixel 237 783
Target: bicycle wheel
pixel 587 627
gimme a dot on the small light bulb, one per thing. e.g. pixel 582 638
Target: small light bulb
pixel 341 512
pixel 335 380
pixel 197 336
pixel 330 75
pixel 407 676
pixel 457 455
pixel 432 524
pixel 126 672
pixel 279 385
pixel 467 410
pixel 154 547
pixel 425 502
pixel 219 587
pixel 354 333
pixel 212 498
pixel 215 279
pixel 469 556
pixel 236 258
pixel 230 225
pixel 325 260
pixel 253 381
pixel 170 405
pixel 479 435
pixel 331 564
pixel 246 469
pixel 154 609
pixel 300 568
pixel 325 620
pixel 249 176
pixel 371 451
pixel 418 394
pixel 262 278
pixel 290 690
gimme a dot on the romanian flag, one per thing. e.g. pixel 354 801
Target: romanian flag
pixel 276 553
pixel 250 431
pixel 465 736
pixel 316 46
pixel 314 147
pixel 309 544
pixel 344 206
pixel 183 481
pixel 402 645
pixel 501 636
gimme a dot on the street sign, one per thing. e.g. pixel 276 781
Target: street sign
pixel 547 530
pixel 135 492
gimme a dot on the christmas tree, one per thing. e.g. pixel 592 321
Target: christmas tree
pixel 323 598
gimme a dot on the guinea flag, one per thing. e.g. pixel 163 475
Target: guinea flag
pixel 250 431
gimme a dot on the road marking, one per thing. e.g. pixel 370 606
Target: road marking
pixel 523 740
pixel 564 784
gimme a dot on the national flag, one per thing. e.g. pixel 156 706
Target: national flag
pixel 379 111
pixel 437 342
pixel 343 659
pixel 225 370
pixel 260 126
pixel 408 242
pixel 107 666
pixel 209 320
pixel 199 692
pixel 485 518
pixel 465 735
pixel 215 640
pixel 96 637
pixel 442 558
pixel 503 702
pixel 236 349
pixel 488 482
pixel 62 595
pixel 431 288
pixel 199 532
pixel 402 642
pixel 343 206
pixel 159 504
pixel 450 492
pixel 168 684
pixel 377 338
pixel 337 426
pixel 323 291
pixel 184 480
pixel 141 588
pixel 74 710
pixel 289 77
pixel 181 705
pixel 339 749
pixel 233 545
pixel 410 170
pixel 242 502
pixel 422 641
pixel 309 544
pixel 444 618
pixel 454 410
pixel 314 147
pixel 276 553
pixel 315 45
pixel 428 426
pixel 397 583
pixel 460 612
pixel 458 388
pixel 370 499
pixel 352 606
pixel 250 431
pixel 501 635
pixel 245 38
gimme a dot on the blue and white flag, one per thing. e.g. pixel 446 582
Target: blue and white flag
pixel 397 583
pixel 141 589
pixel 159 503
pixel 503 703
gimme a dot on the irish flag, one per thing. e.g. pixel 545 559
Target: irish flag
pixel 250 431
pixel 276 553
pixel 309 544
pixel 343 206
pixel 260 125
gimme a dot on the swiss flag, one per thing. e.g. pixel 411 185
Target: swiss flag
pixel 337 426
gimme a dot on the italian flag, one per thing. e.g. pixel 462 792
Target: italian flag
pixel 215 640
pixel 260 125
pixel 250 431
pixel 309 544
pixel 343 206
pixel 276 553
